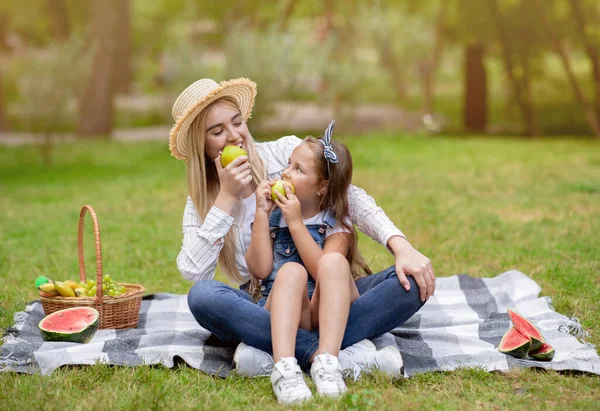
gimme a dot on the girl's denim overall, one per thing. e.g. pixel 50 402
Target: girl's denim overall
pixel 284 250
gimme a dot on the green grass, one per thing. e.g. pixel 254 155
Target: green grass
pixel 476 206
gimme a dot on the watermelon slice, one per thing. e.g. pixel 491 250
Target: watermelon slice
pixel 544 353
pixel 78 324
pixel 515 344
pixel 527 329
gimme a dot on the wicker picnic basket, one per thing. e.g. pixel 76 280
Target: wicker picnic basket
pixel 122 311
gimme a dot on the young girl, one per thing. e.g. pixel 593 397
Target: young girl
pixel 307 262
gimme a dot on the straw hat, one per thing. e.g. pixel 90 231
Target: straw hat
pixel 196 97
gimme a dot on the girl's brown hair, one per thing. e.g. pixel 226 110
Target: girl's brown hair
pixel 339 177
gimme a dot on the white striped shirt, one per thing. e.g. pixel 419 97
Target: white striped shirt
pixel 203 241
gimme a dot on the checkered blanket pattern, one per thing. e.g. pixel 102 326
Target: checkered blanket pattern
pixel 460 327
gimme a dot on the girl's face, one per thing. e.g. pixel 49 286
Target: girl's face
pixel 224 126
pixel 301 173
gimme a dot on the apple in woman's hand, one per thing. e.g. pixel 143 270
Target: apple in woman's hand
pixel 280 186
pixel 230 153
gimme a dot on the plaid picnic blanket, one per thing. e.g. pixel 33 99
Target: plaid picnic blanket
pixel 461 326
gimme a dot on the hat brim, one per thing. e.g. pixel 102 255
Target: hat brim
pixel 242 90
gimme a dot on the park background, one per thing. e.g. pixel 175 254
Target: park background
pixel 473 123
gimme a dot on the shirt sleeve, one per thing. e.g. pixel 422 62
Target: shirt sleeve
pixel 369 217
pixel 202 242
pixel 338 228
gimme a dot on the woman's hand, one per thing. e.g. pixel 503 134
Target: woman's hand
pixel 263 197
pixel 234 178
pixel 409 261
pixel 290 206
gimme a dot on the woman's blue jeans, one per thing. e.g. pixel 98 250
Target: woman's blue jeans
pixel 232 316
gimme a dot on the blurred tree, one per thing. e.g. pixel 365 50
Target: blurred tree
pixel 288 10
pixel 585 19
pixel 48 83
pixel 58 14
pixel 3 50
pixel 123 52
pixel 518 81
pixel 558 47
pixel 431 65
pixel 3 124
pixel 96 103
pixel 475 111
pixel 525 49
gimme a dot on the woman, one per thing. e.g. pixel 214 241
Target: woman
pixel 216 227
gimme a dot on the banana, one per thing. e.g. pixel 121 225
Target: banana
pixel 81 292
pixel 72 284
pixel 49 289
pixel 64 289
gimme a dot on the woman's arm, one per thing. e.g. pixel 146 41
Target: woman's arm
pixel 373 221
pixel 202 242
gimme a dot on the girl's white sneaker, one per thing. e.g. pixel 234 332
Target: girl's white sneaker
pixel 327 374
pixel 288 382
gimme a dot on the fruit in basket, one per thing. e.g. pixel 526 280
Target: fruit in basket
pixel 72 284
pixel 64 289
pixel 49 289
pixel 41 280
pixel 78 324
pixel 81 292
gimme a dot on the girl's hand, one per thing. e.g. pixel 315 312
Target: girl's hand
pixel 290 206
pixel 235 177
pixel 263 197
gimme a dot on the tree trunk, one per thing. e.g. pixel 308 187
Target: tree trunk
pixel 4 29
pixel 585 106
pixel 507 52
pixel 591 50
pixel 58 14
pixel 388 61
pixel 3 123
pixel 525 55
pixel 475 108
pixel 123 72
pixel 96 103
pixel 288 9
pixel 432 66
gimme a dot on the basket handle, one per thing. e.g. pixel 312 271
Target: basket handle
pixel 82 277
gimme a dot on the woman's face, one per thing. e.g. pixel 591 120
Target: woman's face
pixel 224 126
pixel 301 173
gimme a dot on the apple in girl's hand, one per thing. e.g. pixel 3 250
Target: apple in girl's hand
pixel 280 186
pixel 230 153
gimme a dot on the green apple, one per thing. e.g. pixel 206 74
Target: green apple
pixel 230 153
pixel 280 186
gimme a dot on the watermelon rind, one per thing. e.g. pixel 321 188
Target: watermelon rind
pixel 514 343
pixel 526 328
pixel 544 353
pixel 82 332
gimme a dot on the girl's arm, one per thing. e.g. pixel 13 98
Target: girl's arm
pixel 202 242
pixel 259 256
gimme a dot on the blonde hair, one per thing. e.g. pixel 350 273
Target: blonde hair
pixel 203 184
